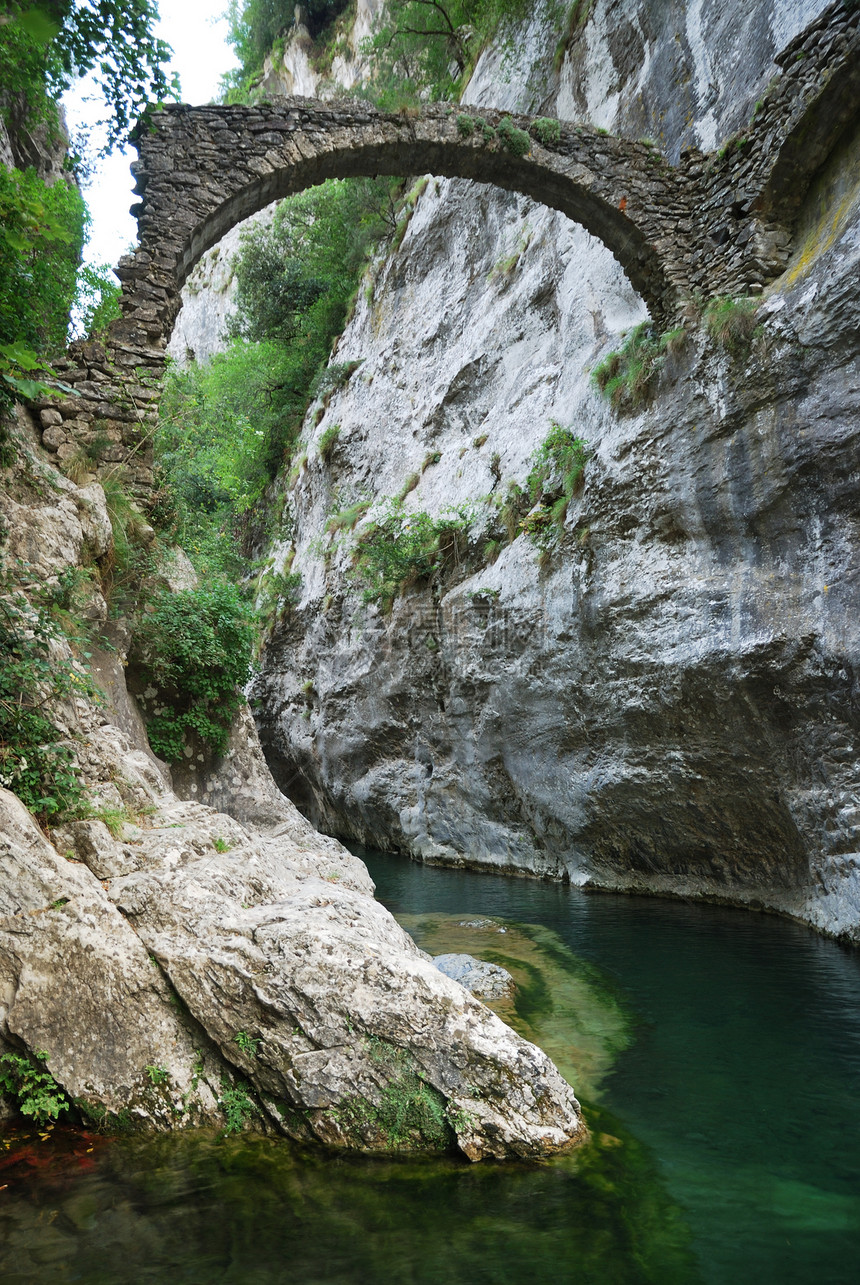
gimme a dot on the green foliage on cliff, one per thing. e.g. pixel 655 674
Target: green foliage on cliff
pixel 295 277
pixel 31 1087
pixel 42 231
pixel 223 431
pixel 400 548
pixel 410 1114
pixel 628 376
pixel 194 647
pixel 37 761
pixel 228 427
pixel 732 324
pixel 258 26
pixel 427 48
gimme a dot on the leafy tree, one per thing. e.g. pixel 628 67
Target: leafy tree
pixel 428 46
pixel 42 231
pixel 224 430
pixel 44 49
pixel 195 648
pixel 229 426
pixel 295 277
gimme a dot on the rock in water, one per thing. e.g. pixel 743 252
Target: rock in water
pixel 231 972
pixel 488 981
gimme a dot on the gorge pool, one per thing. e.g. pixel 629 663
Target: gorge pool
pixel 726 1127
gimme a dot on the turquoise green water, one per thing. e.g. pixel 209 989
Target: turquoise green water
pixel 727 1138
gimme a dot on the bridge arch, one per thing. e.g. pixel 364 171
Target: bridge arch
pixel 718 224
pixel 202 170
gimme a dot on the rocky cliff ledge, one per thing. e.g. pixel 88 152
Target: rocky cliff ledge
pixel 189 968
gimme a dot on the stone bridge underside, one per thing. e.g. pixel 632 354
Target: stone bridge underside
pixel 717 224
pixel 713 225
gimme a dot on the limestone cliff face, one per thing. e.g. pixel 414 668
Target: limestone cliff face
pixel 671 705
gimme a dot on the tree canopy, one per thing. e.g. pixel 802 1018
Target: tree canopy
pixel 43 49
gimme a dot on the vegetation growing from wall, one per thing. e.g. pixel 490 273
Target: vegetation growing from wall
pixel 37 761
pixel 409 1114
pixel 195 648
pixel 399 549
pixel 428 48
pixel 556 476
pixel 256 27
pixel 628 376
pixel 42 231
pixel 540 508
pixel 732 323
pixel 35 1092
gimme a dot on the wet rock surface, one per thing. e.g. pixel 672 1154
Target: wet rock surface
pixel 489 981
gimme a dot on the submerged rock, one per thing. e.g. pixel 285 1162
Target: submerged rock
pixel 488 981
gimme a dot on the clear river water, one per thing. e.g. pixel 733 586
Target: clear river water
pixel 721 1055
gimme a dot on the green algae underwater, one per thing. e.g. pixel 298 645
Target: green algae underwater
pixel 692 1035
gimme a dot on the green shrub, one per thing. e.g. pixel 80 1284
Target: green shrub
pixel 514 506
pixel 546 130
pixel 195 648
pixel 410 1113
pixel 32 1088
pixel 347 519
pixel 514 140
pixel 238 1108
pixel 560 461
pixel 36 760
pixel 280 591
pixel 465 125
pixel 42 231
pixel 628 377
pixel 731 323
pixel 333 377
pixel 124 567
pixel 409 485
pixel 399 549
pixel 247 1043
pixel 561 453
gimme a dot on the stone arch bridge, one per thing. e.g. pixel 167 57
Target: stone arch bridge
pixel 717 224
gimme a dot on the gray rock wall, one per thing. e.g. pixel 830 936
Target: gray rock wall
pixel 672 705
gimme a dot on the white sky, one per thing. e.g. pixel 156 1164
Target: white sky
pixel 197 32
